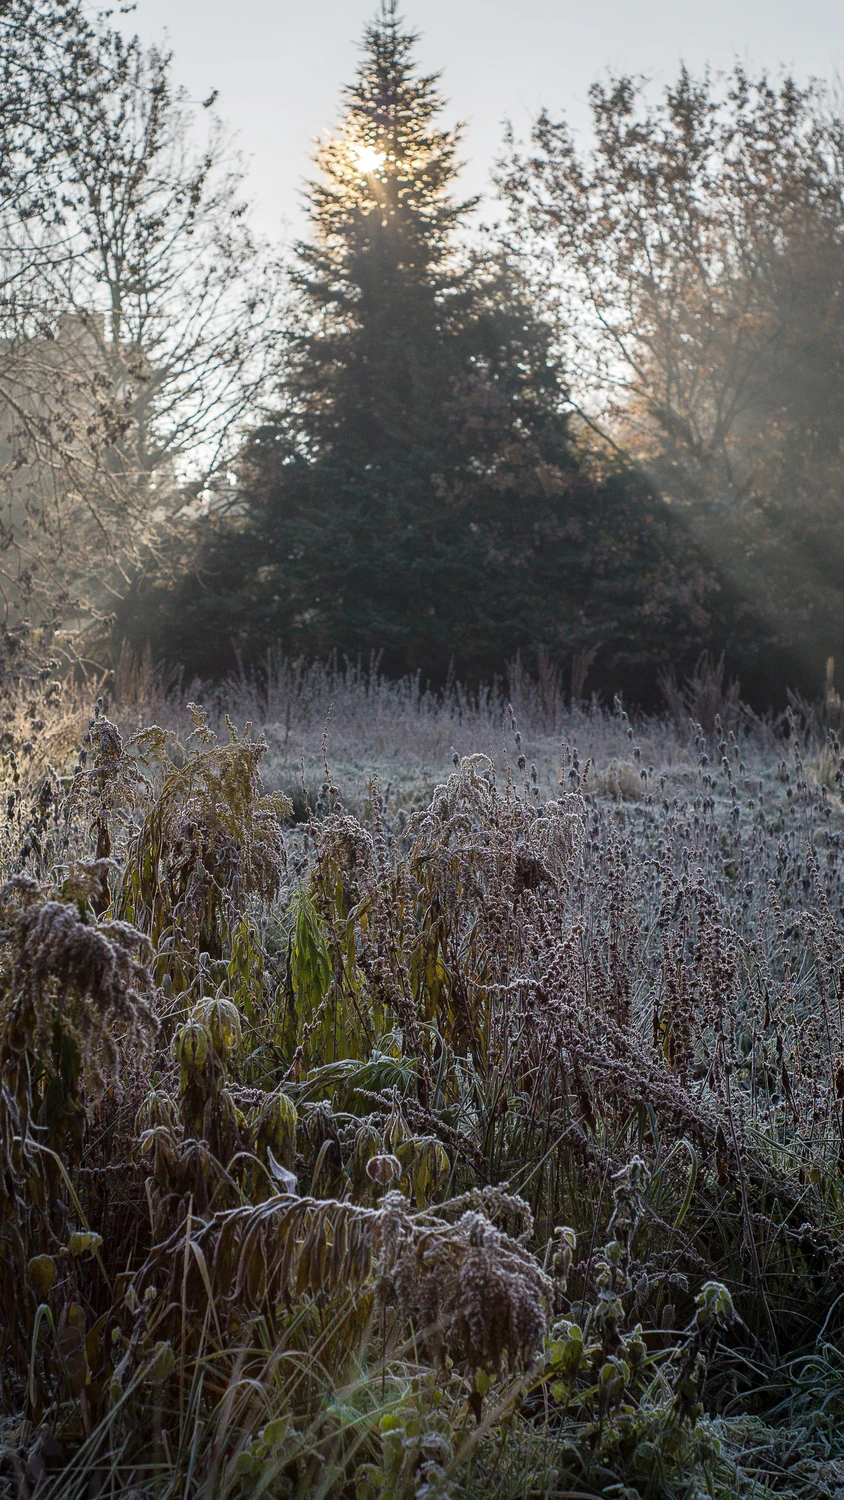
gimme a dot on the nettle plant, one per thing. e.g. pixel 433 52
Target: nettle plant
pixel 630 1405
pixel 479 1149
pixel 210 841
pixel 77 1003
pixel 80 1008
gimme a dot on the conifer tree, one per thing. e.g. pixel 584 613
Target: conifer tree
pixel 380 286
pixel 415 492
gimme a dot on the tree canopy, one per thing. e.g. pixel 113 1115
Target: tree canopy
pixel 135 312
pixel 415 489
pixel 693 261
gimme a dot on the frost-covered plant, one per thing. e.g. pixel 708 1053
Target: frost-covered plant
pixel 467 1290
pixel 417 1451
pixel 627 1007
pixel 73 988
pixel 210 840
pixel 474 1293
pixel 76 997
pixel 624 1406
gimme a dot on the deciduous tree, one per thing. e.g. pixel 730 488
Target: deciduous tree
pixel 135 312
pixel 693 261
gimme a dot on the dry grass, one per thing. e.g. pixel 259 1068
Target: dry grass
pixel 402 732
pixel 474 1127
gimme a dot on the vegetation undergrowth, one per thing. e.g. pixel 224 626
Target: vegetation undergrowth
pixel 492 1145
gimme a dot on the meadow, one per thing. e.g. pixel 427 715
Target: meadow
pixel 410 1095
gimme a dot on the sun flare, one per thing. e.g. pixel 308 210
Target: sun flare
pixel 369 160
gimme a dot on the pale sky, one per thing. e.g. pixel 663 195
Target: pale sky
pixel 280 64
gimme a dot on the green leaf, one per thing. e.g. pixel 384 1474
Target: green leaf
pixel 163 1362
pixel 41 1271
pixel 83 1241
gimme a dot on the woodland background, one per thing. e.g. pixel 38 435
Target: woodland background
pixel 604 434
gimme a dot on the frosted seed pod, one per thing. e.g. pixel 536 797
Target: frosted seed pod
pixel 162 1364
pixel 84 1241
pixel 41 1271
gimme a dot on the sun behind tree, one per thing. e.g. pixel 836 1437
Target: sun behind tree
pixel 381 270
pixel 416 492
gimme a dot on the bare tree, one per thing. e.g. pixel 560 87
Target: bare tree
pixel 137 313
pixel 688 252
pixel 693 258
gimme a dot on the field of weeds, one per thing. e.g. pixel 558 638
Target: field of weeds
pixel 415 1096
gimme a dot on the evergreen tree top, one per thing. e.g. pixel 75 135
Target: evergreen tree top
pixel 389 167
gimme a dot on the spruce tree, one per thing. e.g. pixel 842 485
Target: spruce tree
pixel 381 291
pixel 415 491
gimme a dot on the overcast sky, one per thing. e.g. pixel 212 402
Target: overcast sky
pixel 280 64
